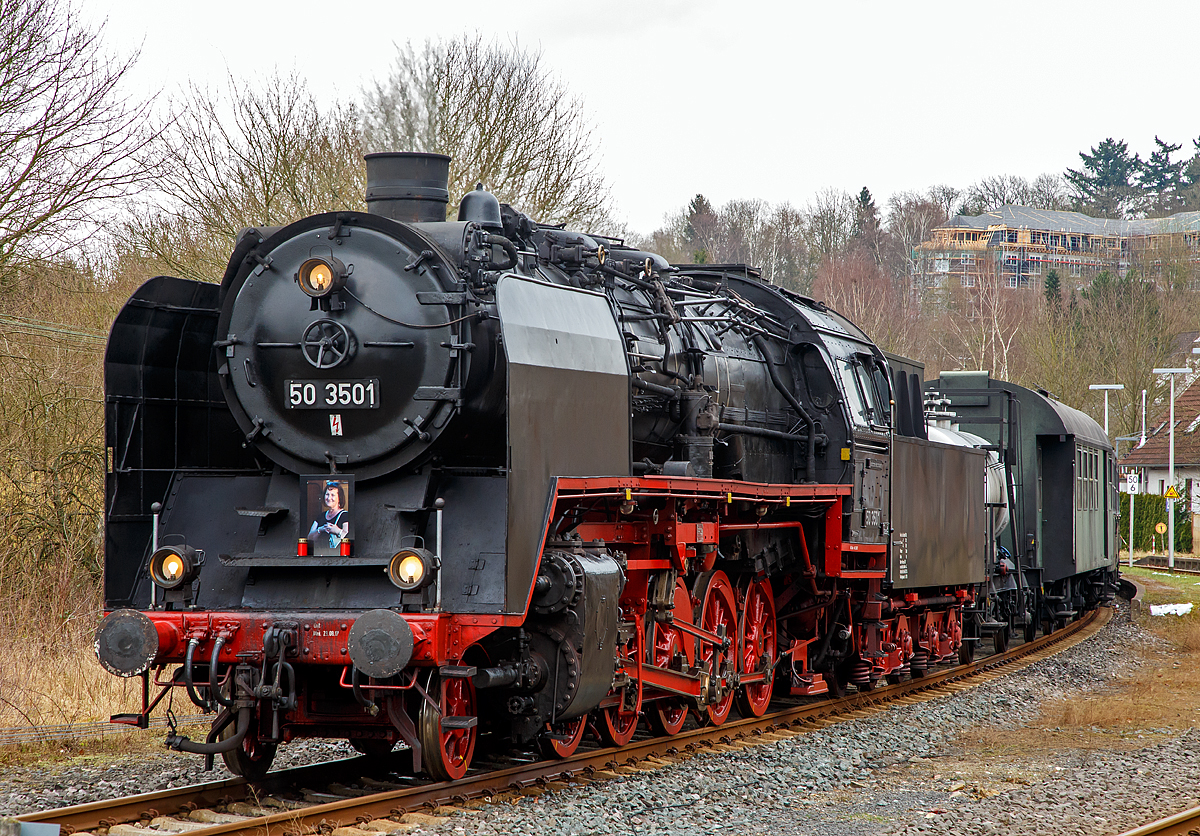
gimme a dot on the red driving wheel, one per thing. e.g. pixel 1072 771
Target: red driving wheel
pixel 664 644
pixel 756 644
pixel 718 613
pixel 616 723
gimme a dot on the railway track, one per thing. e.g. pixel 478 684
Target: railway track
pixel 1186 823
pixel 360 796
pixel 1183 565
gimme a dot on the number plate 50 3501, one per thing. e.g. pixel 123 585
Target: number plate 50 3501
pixel 332 394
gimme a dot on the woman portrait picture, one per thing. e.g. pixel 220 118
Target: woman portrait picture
pixel 332 524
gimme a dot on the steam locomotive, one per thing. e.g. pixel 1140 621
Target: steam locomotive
pixel 399 479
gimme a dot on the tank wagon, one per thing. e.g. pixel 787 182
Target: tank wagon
pixel 1059 557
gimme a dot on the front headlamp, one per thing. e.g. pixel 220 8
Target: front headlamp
pixel 321 276
pixel 411 569
pixel 173 566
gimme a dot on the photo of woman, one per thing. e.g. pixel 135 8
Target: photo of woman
pixel 332 523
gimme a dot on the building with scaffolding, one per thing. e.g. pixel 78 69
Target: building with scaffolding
pixel 1019 245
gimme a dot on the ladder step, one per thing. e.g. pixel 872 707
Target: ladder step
pixel 459 722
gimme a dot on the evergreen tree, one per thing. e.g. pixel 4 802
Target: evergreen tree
pixel 1189 198
pixel 700 227
pixel 866 232
pixel 866 215
pixel 1104 184
pixel 1053 291
pixel 1161 180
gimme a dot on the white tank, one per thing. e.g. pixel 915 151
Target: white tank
pixel 995 493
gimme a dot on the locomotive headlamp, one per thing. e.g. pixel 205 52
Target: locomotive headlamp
pixel 321 276
pixel 411 569
pixel 173 566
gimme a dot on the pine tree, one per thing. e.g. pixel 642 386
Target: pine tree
pixel 1053 291
pixel 1162 181
pixel 700 228
pixel 1104 185
pixel 866 215
pixel 1189 198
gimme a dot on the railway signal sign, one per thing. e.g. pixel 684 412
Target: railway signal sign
pixel 1172 493
pixel 1131 483
pixel 1161 528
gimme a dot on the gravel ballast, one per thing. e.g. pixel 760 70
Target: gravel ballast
pixel 894 772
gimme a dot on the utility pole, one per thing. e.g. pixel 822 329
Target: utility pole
pixel 1171 470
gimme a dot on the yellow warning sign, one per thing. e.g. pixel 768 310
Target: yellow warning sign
pixel 1172 493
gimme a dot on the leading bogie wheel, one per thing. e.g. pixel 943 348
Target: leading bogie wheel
pixel 617 725
pixel 562 739
pixel 756 646
pixel 252 760
pixel 448 731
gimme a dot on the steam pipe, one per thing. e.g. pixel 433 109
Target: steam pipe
pixel 188 679
pixel 763 431
pixel 181 743
pixel 214 688
pixel 647 386
pixel 509 248
pixel 810 463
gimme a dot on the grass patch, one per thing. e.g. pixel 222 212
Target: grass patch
pixel 1162 587
pixel 60 683
pixel 1159 699
pixel 53 754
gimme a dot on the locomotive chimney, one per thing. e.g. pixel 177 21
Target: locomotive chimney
pixel 407 186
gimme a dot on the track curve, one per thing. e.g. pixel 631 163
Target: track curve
pixel 379 802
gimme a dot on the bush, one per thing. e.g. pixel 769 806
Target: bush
pixel 1148 511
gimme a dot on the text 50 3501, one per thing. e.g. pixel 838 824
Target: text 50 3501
pixel 327 394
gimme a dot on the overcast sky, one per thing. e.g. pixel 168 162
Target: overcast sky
pixel 750 99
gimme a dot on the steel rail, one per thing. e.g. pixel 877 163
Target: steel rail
pixel 790 721
pixel 1186 823
pixel 1183 566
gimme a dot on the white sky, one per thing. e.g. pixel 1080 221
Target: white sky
pixel 767 100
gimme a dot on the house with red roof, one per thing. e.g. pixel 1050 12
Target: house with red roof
pixel 1150 460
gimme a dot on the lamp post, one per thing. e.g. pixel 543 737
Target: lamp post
pixel 1131 485
pixel 1107 387
pixel 1171 469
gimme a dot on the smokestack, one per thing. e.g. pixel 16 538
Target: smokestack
pixel 407 186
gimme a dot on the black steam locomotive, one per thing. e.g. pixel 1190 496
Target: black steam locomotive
pixel 404 479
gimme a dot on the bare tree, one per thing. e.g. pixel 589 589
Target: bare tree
pixel 830 220
pixel 68 135
pixel 245 157
pixel 1047 191
pixel 854 285
pixel 947 198
pixel 501 117
pixel 786 260
pixel 911 219
pixel 981 325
